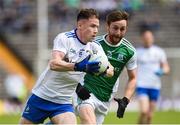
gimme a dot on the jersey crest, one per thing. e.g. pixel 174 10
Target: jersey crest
pixel 120 57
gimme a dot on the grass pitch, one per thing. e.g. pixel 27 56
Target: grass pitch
pixel 168 117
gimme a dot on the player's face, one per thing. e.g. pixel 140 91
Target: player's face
pixel 88 29
pixel 116 31
pixel 148 39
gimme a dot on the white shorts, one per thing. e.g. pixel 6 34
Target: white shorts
pixel 100 108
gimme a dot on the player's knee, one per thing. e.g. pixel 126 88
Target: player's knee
pixel 87 120
pixel 144 114
pixel 150 115
pixel 87 115
pixel 64 118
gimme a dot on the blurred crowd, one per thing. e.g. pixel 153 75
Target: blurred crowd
pixel 61 9
pixel 19 16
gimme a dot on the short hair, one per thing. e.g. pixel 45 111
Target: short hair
pixel 146 30
pixel 87 13
pixel 116 16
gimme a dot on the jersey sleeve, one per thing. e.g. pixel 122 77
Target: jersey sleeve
pixel 163 57
pixel 95 46
pixel 132 63
pixel 60 44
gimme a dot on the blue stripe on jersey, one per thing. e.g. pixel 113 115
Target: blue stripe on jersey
pixel 70 34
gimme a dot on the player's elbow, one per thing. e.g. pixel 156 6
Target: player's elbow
pixel 52 65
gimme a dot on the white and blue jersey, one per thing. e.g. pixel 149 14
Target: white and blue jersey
pixel 53 91
pixel 57 86
pixel 149 61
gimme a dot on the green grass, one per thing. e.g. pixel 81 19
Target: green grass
pixel 9 119
pixel 169 117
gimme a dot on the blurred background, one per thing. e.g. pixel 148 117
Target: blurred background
pixel 28 27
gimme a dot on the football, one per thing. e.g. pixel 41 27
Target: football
pixel 100 56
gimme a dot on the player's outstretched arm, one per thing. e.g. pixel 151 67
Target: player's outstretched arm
pixel 130 88
pixel 57 62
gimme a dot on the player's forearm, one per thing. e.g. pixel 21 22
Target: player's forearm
pixel 130 88
pixel 166 68
pixel 60 65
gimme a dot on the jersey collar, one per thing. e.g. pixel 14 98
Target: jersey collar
pixel 75 30
pixel 104 38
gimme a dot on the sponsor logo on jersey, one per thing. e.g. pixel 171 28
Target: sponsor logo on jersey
pixel 73 51
pixel 95 51
pixel 81 52
pixel 120 57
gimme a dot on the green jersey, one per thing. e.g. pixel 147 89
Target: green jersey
pixel 120 55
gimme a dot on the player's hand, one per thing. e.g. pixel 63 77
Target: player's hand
pixel 122 104
pixel 82 92
pixel 159 72
pixel 109 72
pixel 86 66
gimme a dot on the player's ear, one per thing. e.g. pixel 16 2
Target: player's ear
pixel 79 24
pixel 107 27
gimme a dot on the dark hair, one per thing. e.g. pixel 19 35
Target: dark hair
pixel 87 13
pixel 146 30
pixel 116 16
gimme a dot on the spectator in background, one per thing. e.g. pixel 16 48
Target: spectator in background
pixel 152 65
pixel 16 92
